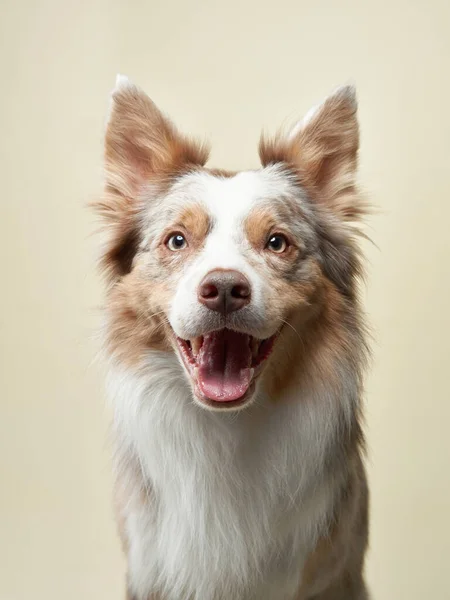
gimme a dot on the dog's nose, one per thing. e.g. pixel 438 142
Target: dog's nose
pixel 224 291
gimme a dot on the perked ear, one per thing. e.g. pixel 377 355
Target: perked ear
pixel 141 143
pixel 142 146
pixel 323 151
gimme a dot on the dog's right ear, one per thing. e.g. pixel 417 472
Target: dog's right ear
pixel 141 143
pixel 142 147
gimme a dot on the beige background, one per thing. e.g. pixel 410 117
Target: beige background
pixel 225 69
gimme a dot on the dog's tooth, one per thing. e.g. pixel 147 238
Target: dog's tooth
pixel 196 344
pixel 255 346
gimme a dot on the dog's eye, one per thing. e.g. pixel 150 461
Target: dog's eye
pixel 277 243
pixel 177 241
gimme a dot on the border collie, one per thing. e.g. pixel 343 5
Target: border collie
pixel 236 353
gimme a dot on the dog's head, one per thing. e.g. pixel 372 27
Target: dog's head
pixel 212 265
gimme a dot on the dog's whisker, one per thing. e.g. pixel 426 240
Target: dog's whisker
pixel 292 327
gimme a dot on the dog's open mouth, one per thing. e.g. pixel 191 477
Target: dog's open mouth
pixel 222 363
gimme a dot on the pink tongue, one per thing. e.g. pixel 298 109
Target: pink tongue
pixel 224 365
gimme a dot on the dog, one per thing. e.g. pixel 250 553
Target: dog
pixel 236 352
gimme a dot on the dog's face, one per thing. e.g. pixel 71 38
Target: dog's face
pixel 236 254
pixel 212 265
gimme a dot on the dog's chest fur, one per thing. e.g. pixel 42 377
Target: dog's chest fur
pixel 225 506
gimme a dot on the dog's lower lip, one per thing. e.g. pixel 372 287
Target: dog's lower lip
pixel 222 364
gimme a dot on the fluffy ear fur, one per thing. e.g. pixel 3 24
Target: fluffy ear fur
pixel 323 150
pixel 142 147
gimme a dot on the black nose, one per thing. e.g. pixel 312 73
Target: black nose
pixel 224 291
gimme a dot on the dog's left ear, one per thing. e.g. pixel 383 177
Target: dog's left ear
pixel 323 151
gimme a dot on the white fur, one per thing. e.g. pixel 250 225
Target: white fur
pixel 237 500
pixel 122 81
pixel 300 125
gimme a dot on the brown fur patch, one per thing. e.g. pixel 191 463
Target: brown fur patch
pixel 141 142
pixel 258 225
pixel 137 321
pixel 301 297
pixel 120 216
pixel 196 222
pixel 323 154
pixel 262 222
pixel 224 173
pixel 334 569
pixel 313 338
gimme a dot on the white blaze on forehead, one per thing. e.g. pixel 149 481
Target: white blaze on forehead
pixel 230 199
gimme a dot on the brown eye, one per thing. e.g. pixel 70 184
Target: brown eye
pixel 177 241
pixel 277 243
